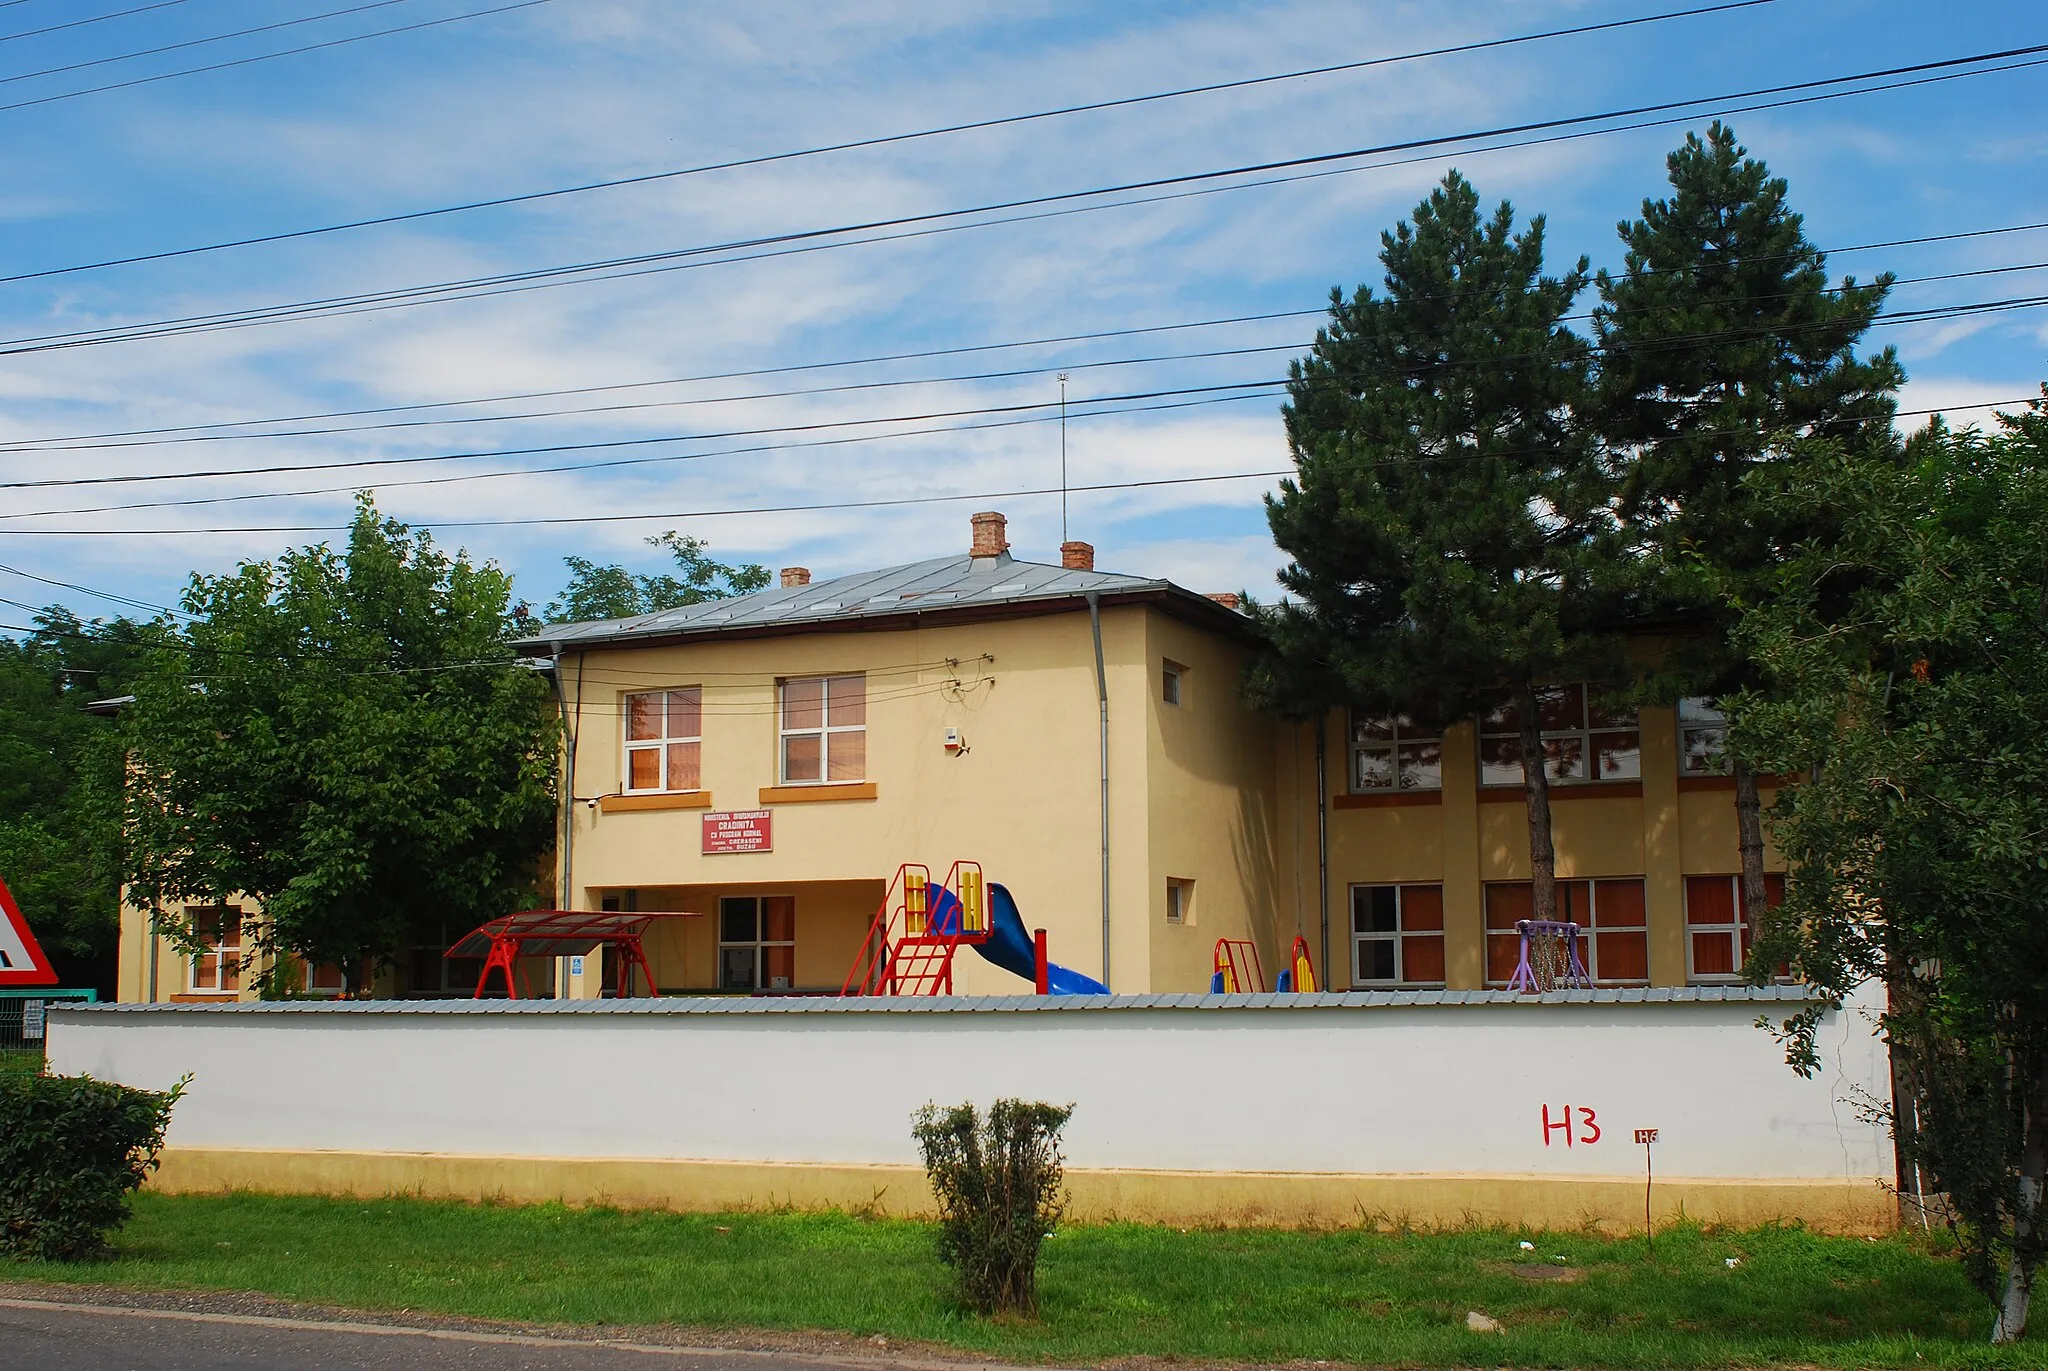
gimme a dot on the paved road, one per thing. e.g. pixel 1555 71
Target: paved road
pixel 38 1335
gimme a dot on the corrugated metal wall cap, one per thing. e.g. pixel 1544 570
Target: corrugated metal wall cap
pixel 969 1004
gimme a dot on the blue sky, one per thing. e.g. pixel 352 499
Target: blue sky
pixel 570 91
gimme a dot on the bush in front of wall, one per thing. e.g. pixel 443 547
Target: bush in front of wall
pixel 998 1185
pixel 71 1149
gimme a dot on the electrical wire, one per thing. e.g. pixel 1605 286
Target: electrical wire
pixel 96 19
pixel 108 596
pixel 1043 408
pixel 835 505
pixel 47 443
pixel 880 141
pixel 84 444
pixel 191 42
pixel 271 56
pixel 584 272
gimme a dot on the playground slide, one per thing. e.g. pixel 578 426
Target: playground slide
pixel 1009 947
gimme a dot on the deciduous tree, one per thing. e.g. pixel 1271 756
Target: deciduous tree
pixel 344 737
pixel 612 592
pixel 1903 672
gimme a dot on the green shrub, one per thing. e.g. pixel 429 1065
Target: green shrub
pixel 71 1148
pixel 997 1182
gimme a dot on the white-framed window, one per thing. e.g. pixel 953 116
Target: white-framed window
pixel 1702 738
pixel 1582 740
pixel 757 942
pixel 1397 935
pixel 325 979
pixel 1392 753
pixel 664 740
pixel 1180 901
pixel 1717 936
pixel 1172 681
pixel 216 968
pixel 1614 934
pixel 824 729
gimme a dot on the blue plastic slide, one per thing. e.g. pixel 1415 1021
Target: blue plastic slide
pixel 1009 944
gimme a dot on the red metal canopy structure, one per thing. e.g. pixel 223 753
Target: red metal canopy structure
pixel 557 933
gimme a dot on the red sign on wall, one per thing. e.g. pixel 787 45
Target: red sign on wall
pixel 745 830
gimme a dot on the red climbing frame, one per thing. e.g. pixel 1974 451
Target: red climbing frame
pixel 903 954
pixel 1237 967
pixel 557 933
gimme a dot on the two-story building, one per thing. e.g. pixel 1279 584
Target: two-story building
pixel 761 766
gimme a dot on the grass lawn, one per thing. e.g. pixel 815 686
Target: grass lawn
pixel 1110 1291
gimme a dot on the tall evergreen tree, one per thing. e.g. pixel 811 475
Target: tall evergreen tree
pixel 1724 345
pixel 1447 519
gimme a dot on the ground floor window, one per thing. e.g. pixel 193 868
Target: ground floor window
pixel 216 968
pixel 1614 936
pixel 1717 937
pixel 757 942
pixel 324 979
pixel 1397 935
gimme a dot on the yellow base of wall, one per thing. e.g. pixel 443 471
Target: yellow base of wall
pixel 1280 1199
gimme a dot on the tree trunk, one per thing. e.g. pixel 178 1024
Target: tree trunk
pixel 2027 1223
pixel 1749 838
pixel 1536 789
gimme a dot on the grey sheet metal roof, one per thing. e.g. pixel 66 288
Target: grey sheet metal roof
pixel 950 586
pixel 981 1004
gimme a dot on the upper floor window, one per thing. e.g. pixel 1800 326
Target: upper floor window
pixel 1172 678
pixel 217 966
pixel 1394 754
pixel 824 729
pixel 1702 738
pixel 664 740
pixel 1581 740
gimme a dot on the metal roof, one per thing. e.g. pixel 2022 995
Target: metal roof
pixel 962 586
pixel 985 1004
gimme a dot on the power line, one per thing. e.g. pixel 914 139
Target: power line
pixel 890 502
pixel 878 141
pixel 108 596
pixel 807 240
pixel 1254 386
pixel 29 445
pixel 88 443
pixel 189 42
pixel 96 19
pixel 271 56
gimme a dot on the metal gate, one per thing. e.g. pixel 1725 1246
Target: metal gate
pixel 24 1024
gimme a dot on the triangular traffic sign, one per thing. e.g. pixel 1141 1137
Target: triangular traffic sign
pixel 22 962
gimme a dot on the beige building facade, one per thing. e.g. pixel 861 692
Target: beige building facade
pixel 756 770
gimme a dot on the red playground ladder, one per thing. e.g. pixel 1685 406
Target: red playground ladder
pixel 1237 968
pixel 910 945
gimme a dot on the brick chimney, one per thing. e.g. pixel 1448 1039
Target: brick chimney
pixel 990 538
pixel 1227 599
pixel 1077 556
pixel 795 576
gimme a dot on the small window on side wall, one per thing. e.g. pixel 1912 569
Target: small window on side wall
pixel 1172 682
pixel 1180 902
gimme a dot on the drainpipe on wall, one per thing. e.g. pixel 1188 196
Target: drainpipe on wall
pixel 1102 749
pixel 1323 848
pixel 564 895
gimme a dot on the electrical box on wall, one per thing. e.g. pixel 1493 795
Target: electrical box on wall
pixel 954 742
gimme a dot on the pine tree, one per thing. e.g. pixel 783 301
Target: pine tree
pixel 1724 344
pixel 1446 524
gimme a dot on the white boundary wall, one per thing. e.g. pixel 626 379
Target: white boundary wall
pixel 1357 1084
